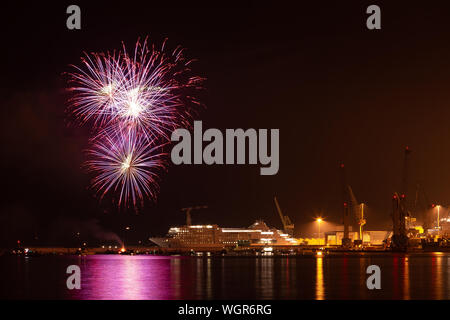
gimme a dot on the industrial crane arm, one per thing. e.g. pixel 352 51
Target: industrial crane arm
pixel 280 213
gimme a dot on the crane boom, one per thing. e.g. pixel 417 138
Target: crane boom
pixel 279 212
pixel 405 181
pixel 288 226
pixel 358 211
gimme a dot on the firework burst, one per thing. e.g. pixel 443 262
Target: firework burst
pixel 133 102
pixel 125 163
pixel 150 91
pixel 97 87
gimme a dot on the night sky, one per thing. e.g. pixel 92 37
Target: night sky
pixel 337 91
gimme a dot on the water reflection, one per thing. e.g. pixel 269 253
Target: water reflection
pixel 208 279
pixel 448 277
pixel 363 263
pixel 130 289
pixel 320 291
pixel 404 276
pixel 175 276
pixel 285 266
pixel 438 277
pixel 395 282
pixel 124 278
pixel 264 277
pixel 344 281
pixel 198 277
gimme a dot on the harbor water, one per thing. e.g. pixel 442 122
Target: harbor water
pixel 403 276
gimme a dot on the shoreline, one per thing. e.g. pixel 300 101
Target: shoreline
pixel 214 252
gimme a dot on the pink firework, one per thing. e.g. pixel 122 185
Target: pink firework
pixel 150 91
pixel 125 163
pixel 133 103
pixel 97 89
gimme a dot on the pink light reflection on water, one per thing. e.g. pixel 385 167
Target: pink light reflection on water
pixel 115 277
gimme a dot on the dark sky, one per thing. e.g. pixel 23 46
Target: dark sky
pixel 336 90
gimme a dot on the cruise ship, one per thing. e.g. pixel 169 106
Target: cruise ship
pixel 213 236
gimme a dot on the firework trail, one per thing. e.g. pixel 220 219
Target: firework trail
pixel 133 102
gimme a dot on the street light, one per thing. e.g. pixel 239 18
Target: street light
pixel 438 207
pixel 319 220
pixel 126 234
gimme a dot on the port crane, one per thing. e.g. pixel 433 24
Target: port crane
pixel 188 213
pixel 399 216
pixel 400 211
pixel 346 241
pixel 358 211
pixel 351 209
pixel 288 226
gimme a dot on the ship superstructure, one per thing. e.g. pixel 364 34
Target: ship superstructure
pixel 214 236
